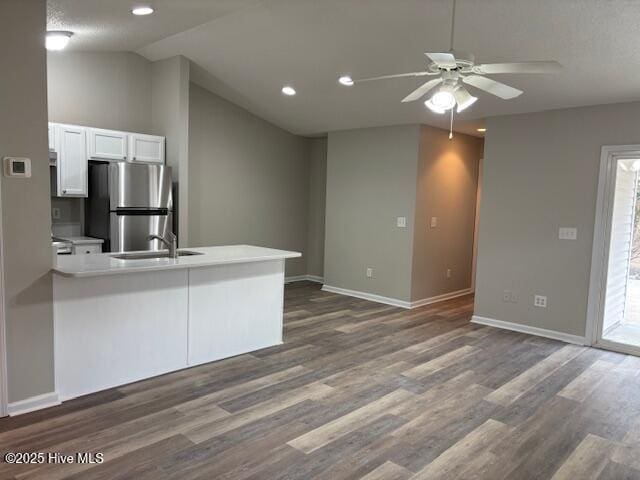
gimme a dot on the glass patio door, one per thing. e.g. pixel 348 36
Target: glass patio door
pixel 620 320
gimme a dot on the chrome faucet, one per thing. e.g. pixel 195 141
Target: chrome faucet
pixel 171 241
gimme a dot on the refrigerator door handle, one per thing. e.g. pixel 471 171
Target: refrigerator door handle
pixel 141 211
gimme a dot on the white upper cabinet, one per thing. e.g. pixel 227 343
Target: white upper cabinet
pixel 146 148
pixel 75 146
pixel 107 144
pixel 72 161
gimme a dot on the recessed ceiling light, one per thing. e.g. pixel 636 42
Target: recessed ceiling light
pixel 57 40
pixel 482 129
pixel 346 80
pixel 142 10
pixel 288 90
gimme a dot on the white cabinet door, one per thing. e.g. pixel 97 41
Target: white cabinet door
pixel 146 148
pixel 72 161
pixel 52 137
pixel 107 144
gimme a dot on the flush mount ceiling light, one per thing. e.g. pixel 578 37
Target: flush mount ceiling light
pixel 288 90
pixel 57 40
pixel 346 80
pixel 142 10
pixel 482 130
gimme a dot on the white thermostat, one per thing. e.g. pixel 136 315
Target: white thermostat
pixel 17 167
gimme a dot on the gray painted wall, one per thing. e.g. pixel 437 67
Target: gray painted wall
pixel 371 180
pixel 447 183
pixel 170 118
pixel 317 201
pixel 25 202
pixel 248 180
pixel 541 173
pixel 100 89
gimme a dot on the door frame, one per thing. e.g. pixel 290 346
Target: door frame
pixel 609 155
pixel 4 400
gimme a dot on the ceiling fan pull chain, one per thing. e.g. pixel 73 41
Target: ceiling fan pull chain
pixel 453 25
pixel 451 126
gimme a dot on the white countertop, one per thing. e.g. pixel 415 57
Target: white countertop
pixel 82 240
pixel 104 264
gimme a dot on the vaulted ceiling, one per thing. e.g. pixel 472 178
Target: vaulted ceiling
pixel 246 50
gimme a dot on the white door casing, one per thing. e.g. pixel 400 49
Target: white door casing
pixel 602 247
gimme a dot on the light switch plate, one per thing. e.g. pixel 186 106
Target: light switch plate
pixel 401 222
pixel 568 233
pixel 434 222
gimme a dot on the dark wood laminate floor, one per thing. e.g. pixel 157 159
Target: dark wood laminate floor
pixel 359 390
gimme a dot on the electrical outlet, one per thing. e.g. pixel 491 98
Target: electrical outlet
pixel 568 233
pixel 369 272
pixel 434 222
pixel 401 222
pixel 540 301
pixel 448 273
pixel 506 296
pixel 55 213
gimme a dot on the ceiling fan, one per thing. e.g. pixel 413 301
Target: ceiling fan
pixel 454 70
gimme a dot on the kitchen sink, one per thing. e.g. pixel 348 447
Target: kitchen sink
pixel 150 255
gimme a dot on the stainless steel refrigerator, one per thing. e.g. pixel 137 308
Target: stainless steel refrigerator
pixel 128 202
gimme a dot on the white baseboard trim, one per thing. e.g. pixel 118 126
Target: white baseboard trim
pixel 441 298
pixel 304 278
pixel 32 404
pixel 394 301
pixel 367 296
pixel 540 332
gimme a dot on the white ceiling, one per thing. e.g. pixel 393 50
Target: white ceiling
pixel 246 50
pixel 101 25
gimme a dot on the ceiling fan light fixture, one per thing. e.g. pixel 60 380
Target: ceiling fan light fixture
pixel 434 108
pixel 466 103
pixel 443 99
pixel 346 80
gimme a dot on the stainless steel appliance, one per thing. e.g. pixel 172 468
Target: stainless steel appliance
pixel 127 204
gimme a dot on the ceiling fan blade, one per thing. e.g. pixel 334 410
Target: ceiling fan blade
pixel 491 86
pixel 463 98
pixel 398 75
pixel 443 60
pixel 421 90
pixel 519 67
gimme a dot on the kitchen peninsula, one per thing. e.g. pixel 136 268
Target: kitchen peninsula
pixel 120 320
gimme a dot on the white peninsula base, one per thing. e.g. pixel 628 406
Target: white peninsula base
pixel 113 329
